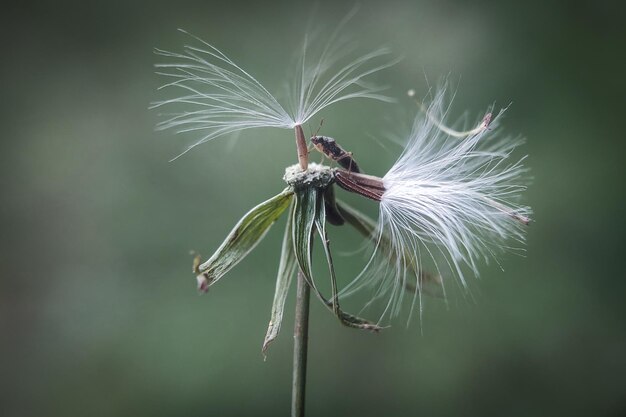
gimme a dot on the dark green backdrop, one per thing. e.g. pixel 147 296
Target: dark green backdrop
pixel 98 310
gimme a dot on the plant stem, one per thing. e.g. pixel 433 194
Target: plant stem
pixel 300 345
pixel 303 151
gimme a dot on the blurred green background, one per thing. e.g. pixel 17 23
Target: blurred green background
pixel 99 315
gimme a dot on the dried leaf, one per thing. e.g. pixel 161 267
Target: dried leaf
pixel 309 211
pixel 303 219
pixel 345 318
pixel 286 271
pixel 330 205
pixel 244 237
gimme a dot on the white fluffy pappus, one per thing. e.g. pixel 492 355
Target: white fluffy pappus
pixel 220 97
pixel 451 197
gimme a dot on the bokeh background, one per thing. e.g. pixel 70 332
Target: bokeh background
pixel 99 315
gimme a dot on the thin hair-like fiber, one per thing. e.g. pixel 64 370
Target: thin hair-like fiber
pixel 219 97
pixel 451 197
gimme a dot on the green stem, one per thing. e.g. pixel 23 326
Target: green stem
pixel 300 345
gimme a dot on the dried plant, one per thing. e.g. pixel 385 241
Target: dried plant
pixel 451 196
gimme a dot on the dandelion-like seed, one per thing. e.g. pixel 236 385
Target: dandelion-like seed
pixel 452 196
pixel 220 97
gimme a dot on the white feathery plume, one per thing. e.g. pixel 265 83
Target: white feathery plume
pixel 451 196
pixel 220 97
